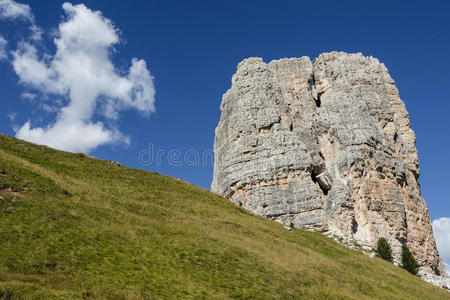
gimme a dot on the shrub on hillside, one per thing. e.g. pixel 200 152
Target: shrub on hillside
pixel 409 263
pixel 384 249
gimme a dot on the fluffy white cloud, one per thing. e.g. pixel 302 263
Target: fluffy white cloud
pixel 3 48
pixel 81 71
pixel 13 10
pixel 441 230
pixel 69 136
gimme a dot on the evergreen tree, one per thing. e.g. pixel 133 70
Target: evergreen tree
pixel 384 249
pixel 409 263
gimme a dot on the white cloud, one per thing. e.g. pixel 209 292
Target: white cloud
pixel 36 32
pixel 28 96
pixel 12 116
pixel 69 136
pixel 81 72
pixel 10 9
pixel 3 48
pixel 31 70
pixel 441 230
pixel 48 108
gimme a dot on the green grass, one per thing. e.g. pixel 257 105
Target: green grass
pixel 73 227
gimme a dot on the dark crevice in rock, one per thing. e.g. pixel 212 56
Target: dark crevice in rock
pixel 322 180
pixel 436 270
pixel 313 177
pixel 316 96
pixel 321 155
pixel 401 180
pixel 266 128
pixel 354 226
pixel 318 102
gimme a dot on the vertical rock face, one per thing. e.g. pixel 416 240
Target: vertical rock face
pixel 325 145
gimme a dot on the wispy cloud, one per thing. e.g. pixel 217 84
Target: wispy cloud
pixel 3 48
pixel 28 96
pixel 10 9
pixel 81 72
pixel 12 116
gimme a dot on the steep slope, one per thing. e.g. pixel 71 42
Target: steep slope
pixel 74 227
pixel 325 145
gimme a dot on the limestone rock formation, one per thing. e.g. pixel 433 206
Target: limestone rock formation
pixel 327 146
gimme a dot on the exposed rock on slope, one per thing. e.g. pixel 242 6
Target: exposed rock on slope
pixel 325 145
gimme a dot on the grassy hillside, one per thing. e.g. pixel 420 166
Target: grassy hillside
pixel 73 227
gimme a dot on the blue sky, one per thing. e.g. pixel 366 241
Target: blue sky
pixel 191 49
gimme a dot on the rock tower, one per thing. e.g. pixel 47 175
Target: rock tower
pixel 327 146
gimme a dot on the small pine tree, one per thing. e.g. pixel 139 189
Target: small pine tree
pixel 384 249
pixel 409 263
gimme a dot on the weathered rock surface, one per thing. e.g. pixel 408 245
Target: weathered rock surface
pixel 325 145
pixel 443 282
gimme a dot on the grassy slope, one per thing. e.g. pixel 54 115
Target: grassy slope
pixel 76 227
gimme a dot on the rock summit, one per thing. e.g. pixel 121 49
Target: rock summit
pixel 325 145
